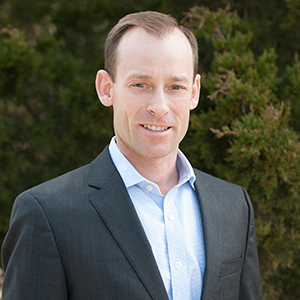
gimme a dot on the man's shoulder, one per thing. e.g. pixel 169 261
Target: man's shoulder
pixel 213 180
pixel 70 182
pixel 222 193
pixel 218 186
pixel 74 183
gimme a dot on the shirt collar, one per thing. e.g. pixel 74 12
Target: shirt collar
pixel 132 177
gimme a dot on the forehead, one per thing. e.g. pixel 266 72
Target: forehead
pixel 140 49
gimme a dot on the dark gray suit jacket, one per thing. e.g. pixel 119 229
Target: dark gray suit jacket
pixel 78 237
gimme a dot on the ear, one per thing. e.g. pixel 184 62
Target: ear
pixel 104 85
pixel 195 92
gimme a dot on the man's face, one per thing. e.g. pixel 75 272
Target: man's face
pixel 153 93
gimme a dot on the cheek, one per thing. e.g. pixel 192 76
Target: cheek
pixel 182 110
pixel 124 114
pixel 184 117
pixel 126 102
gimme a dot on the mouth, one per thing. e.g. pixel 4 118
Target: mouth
pixel 156 128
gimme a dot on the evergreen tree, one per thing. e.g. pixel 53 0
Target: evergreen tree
pixel 241 134
pixel 50 119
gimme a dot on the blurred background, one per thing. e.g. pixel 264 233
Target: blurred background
pixel 245 129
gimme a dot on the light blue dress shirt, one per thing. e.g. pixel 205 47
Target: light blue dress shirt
pixel 172 224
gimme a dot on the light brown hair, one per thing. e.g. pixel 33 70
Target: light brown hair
pixel 155 23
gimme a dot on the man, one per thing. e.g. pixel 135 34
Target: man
pixel 138 222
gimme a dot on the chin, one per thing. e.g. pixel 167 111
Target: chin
pixel 157 152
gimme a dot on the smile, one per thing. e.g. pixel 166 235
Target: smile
pixel 155 128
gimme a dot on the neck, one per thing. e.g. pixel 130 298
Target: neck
pixel 160 170
pixel 163 172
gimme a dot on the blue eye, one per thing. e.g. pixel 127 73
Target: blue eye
pixel 139 85
pixel 176 87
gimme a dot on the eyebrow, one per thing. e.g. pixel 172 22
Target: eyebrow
pixel 139 76
pixel 176 78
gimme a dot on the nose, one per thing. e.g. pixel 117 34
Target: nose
pixel 157 104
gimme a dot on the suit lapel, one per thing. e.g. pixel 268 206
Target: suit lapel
pixel 117 211
pixel 211 214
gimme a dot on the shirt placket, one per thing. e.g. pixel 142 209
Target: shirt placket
pixel 176 249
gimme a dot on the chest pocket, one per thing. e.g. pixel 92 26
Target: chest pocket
pixel 231 267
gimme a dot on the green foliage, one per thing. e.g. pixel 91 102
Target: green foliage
pixel 49 117
pixel 242 134
pixel 15 60
pixel 291 90
pixel 17 63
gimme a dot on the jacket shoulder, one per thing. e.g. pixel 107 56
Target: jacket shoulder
pixel 226 193
pixel 73 185
pixel 208 179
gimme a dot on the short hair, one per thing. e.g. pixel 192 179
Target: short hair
pixel 155 23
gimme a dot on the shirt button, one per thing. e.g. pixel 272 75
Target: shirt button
pixel 149 188
pixel 171 217
pixel 178 265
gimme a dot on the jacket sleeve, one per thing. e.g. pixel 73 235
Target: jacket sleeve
pixel 31 261
pixel 250 286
